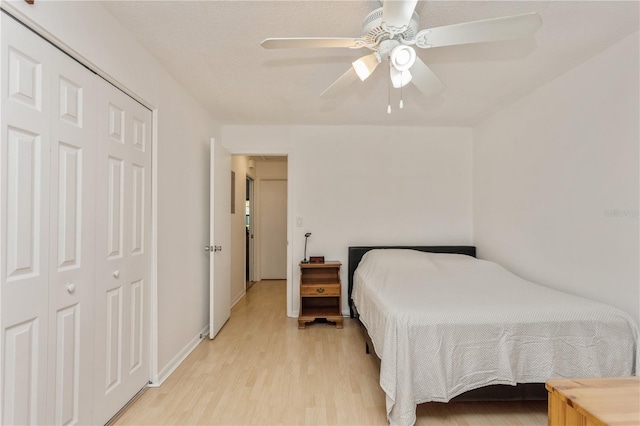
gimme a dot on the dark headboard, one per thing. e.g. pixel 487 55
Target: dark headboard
pixel 356 253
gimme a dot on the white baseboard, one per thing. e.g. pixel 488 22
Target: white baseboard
pixel 180 356
pixel 239 298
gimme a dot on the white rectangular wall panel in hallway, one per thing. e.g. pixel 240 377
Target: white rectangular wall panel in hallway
pixel 273 228
pixel 58 300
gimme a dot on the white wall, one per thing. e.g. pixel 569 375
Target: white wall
pixel 271 169
pixel 182 132
pixel 367 185
pixel 184 145
pixel 556 188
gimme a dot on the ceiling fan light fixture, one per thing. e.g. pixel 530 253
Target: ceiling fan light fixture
pixel 391 32
pixel 399 78
pixel 365 66
pixel 402 57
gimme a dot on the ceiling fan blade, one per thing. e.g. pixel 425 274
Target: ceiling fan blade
pixel 311 42
pixel 425 80
pixel 506 28
pixel 396 14
pixel 340 84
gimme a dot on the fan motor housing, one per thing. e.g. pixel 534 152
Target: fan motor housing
pixel 373 32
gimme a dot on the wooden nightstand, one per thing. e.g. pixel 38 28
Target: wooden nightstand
pixel 320 293
pixel 594 402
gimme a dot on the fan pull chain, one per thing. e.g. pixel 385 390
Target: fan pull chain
pixel 389 86
pixel 401 78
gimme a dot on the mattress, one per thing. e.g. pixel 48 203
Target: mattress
pixel 444 324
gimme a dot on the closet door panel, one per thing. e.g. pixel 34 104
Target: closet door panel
pixel 115 207
pixel 24 217
pixel 139 240
pixel 122 254
pixel 72 237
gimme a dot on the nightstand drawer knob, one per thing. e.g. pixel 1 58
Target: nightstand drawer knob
pixel 320 290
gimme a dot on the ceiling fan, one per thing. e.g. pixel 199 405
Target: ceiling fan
pixel 391 31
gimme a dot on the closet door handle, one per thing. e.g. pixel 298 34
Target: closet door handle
pixel 116 273
pixel 71 287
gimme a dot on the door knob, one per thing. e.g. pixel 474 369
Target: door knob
pixel 208 248
pixel 116 273
pixel 71 287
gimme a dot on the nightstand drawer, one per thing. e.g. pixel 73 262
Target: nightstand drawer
pixel 320 290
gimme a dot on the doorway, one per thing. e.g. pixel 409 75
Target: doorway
pixel 249 223
pixel 259 225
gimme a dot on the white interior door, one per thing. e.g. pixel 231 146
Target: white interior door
pixel 252 229
pixel 220 239
pixel 24 223
pixel 72 242
pixel 123 250
pixel 273 229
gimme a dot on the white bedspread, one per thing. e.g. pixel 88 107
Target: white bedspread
pixel 443 324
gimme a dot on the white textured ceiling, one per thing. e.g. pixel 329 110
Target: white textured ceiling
pixel 213 49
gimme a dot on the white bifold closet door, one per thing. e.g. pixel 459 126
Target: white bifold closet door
pixel 26 111
pixel 123 250
pixel 74 279
pixel 71 224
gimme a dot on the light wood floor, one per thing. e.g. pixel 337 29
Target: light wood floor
pixel 261 369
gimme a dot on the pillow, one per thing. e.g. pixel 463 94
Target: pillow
pixel 399 258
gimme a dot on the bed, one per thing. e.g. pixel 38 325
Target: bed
pixel 443 323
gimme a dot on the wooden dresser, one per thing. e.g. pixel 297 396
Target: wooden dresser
pixel 320 293
pixel 594 402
